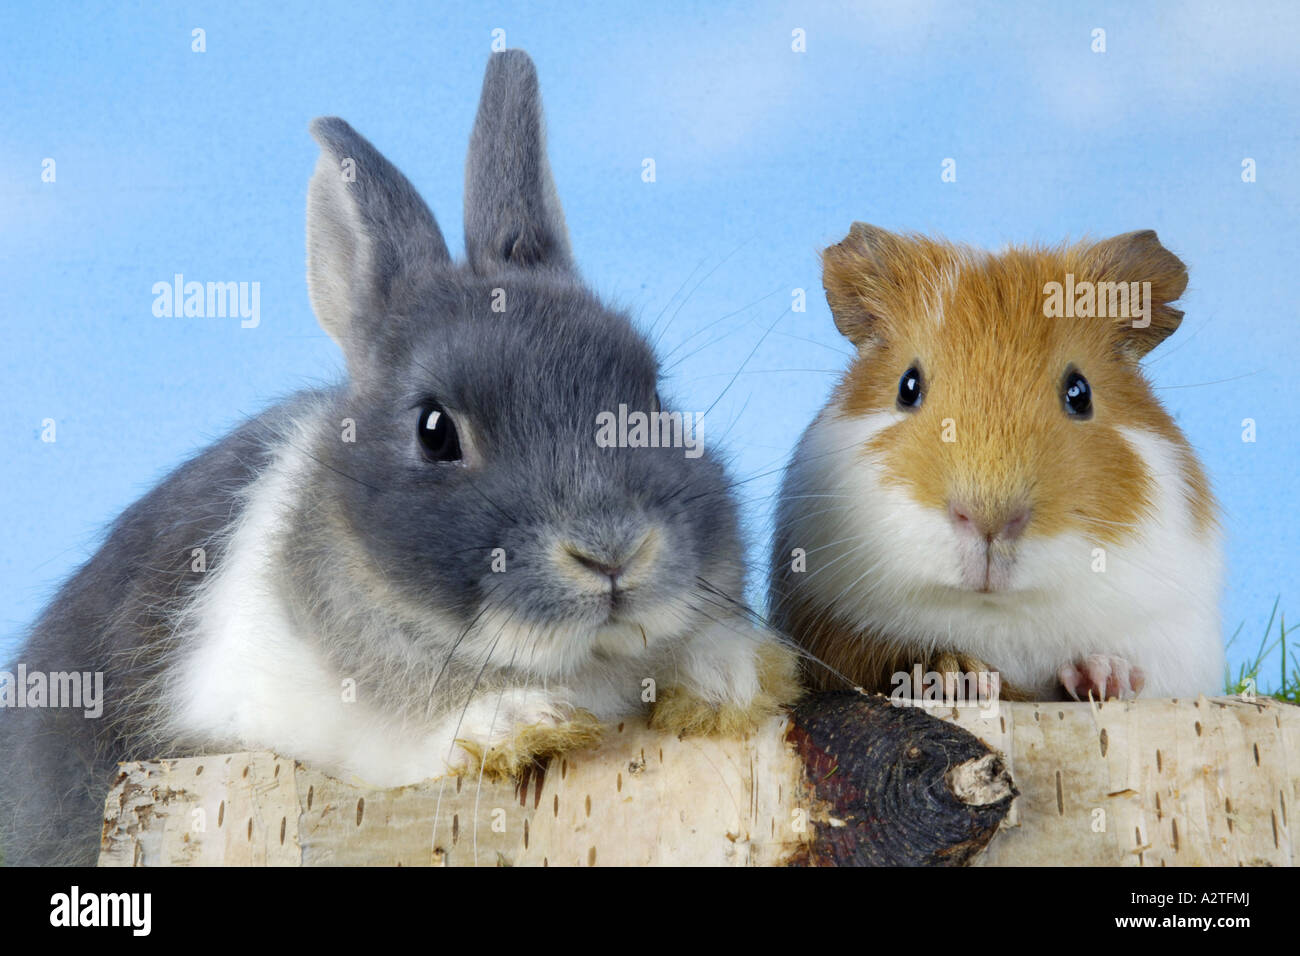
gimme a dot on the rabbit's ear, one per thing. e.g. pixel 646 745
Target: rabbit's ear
pixel 367 231
pixel 512 212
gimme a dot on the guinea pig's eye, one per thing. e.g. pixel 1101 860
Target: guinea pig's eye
pixel 1077 395
pixel 438 438
pixel 909 388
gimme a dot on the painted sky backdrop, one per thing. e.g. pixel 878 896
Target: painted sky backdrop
pixel 171 161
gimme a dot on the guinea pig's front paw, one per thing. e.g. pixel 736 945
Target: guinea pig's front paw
pixel 1101 677
pixel 520 732
pixel 686 712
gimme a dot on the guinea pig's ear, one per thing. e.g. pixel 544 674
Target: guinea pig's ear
pixel 367 231
pixel 512 212
pixel 857 274
pixel 1138 257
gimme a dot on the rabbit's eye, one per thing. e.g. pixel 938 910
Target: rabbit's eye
pixel 1077 395
pixel 909 389
pixel 438 438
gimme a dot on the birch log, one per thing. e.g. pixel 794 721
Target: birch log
pixel 843 780
pixel 1209 782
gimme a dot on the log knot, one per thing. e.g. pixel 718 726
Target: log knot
pixel 895 786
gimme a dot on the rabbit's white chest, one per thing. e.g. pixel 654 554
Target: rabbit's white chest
pixel 250 679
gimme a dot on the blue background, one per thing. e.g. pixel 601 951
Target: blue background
pixel 174 161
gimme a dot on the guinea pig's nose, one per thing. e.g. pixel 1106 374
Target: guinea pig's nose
pixel 991 524
pixel 1015 525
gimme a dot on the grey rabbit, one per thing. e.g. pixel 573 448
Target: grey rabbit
pixel 431 568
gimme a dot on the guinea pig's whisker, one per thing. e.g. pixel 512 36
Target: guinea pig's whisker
pixel 1154 572
pixel 837 509
pixel 1102 522
pixel 809 575
pixel 871 569
pixel 860 537
pixel 1217 381
pixel 803 338
pixel 1168 350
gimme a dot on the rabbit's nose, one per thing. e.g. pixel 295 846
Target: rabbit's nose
pixel 622 565
pixel 595 564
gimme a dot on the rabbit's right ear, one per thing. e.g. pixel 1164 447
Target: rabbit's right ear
pixel 512 212
pixel 368 231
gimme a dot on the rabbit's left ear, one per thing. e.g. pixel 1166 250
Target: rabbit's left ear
pixel 512 212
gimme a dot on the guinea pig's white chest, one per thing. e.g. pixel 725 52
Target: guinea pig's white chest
pixel 886 564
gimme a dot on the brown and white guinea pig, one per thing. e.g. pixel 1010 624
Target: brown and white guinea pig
pixel 994 485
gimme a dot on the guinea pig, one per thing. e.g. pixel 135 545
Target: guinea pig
pixel 436 566
pixel 994 487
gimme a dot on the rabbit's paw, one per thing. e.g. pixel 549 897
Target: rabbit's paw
pixel 686 712
pixel 1101 677
pixel 522 732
